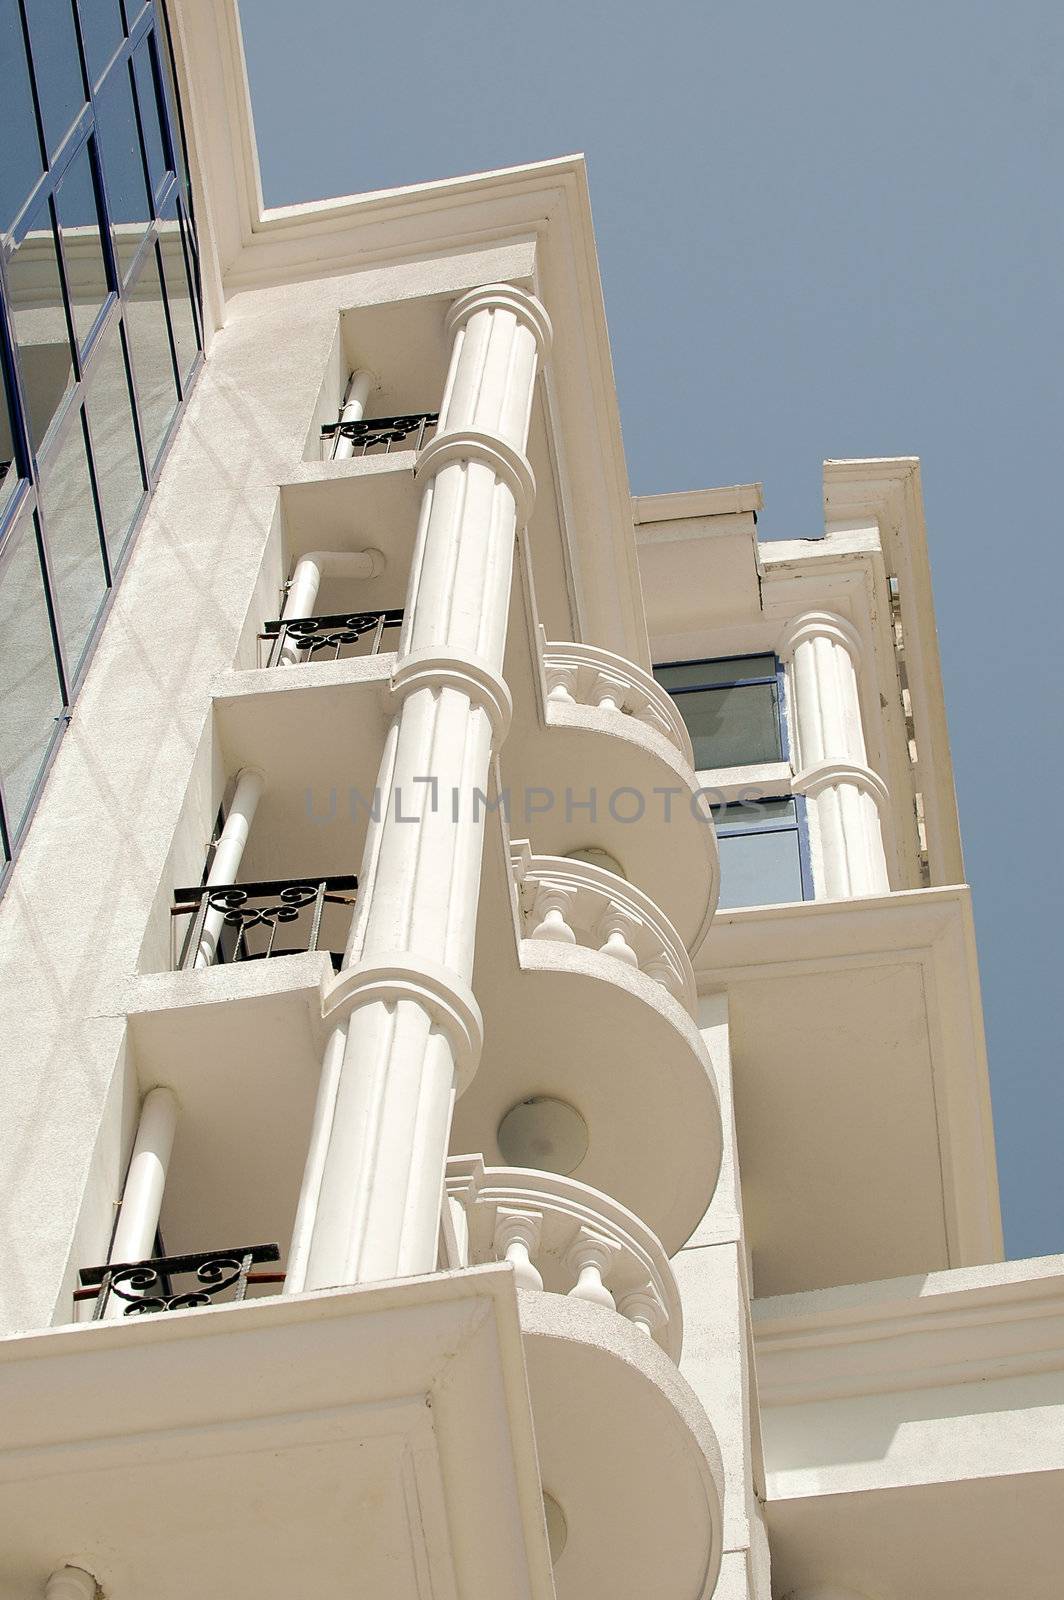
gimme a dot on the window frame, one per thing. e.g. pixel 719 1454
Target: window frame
pixel 776 678
pixel 800 826
pixel 150 29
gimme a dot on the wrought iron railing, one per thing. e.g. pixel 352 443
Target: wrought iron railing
pixel 380 433
pixel 266 906
pixel 320 636
pixel 148 1286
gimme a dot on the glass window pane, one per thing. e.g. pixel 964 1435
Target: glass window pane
pixel 178 293
pixel 732 727
pixel 760 869
pixel 8 469
pixel 71 534
pixel 148 101
pixel 29 682
pixel 83 258
pixel 40 324
pixel 21 165
pixel 56 66
pixel 152 362
pixel 102 32
pixel 114 443
pixel 123 169
pixel 694 674
pixel 172 108
pixel 743 815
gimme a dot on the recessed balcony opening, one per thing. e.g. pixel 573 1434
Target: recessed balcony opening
pixel 383 382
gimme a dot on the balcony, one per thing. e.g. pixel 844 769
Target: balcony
pixel 564 1238
pixel 247 918
pixel 328 638
pixel 592 1066
pixel 627 1456
pixel 607 765
pixel 376 435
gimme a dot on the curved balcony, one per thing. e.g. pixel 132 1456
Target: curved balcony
pixel 608 766
pixel 580 903
pixel 629 1462
pixel 593 1066
pixel 565 1238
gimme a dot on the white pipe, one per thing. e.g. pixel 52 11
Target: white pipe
pixel 306 581
pixel 71 1583
pixel 360 386
pixel 229 852
pixel 142 1197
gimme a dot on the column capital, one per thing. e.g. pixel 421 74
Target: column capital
pixel 827 774
pixel 454 669
pixel 505 297
pixel 470 445
pixel 819 625
pixel 405 976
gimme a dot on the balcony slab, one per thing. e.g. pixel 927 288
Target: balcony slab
pixel 379 1437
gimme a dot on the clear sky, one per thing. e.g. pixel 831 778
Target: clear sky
pixel 824 229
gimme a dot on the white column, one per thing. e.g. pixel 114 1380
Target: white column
pixel 229 852
pixel 142 1196
pixel 306 581
pixel 848 803
pixel 360 386
pixel 413 1027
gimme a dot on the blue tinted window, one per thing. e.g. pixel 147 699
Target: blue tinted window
pixel 72 539
pixel 114 442
pixel 40 325
pixel 29 682
pixel 91 373
pixel 153 365
pixel 127 196
pixel 83 258
pixel 21 166
pixel 731 708
pixel 102 33
pixel 56 67
pixel 148 101
pixel 761 853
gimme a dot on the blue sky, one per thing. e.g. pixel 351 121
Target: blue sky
pixel 828 229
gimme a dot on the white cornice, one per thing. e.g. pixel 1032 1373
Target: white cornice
pixel 726 501
pixel 966 1326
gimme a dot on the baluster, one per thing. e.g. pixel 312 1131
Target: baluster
pixel 590 1256
pixel 614 926
pixel 661 969
pixel 561 684
pixel 516 1236
pixel 608 693
pixel 550 912
pixel 643 1308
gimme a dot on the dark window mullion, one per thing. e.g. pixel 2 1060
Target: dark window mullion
pixel 21 443
pixel 37 113
pixel 97 503
pixel 58 642
pixel 146 473
pixel 5 835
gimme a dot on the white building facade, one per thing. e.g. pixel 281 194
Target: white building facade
pixel 495 1100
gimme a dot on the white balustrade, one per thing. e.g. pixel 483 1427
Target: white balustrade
pixel 565 1238
pixel 577 903
pixel 582 674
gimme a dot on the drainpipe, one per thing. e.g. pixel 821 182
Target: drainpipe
pixel 306 581
pixel 360 386
pixel 228 854
pixel 142 1197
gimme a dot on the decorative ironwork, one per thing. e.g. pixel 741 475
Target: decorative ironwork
pixel 147 1286
pixel 316 635
pixel 376 431
pixel 268 905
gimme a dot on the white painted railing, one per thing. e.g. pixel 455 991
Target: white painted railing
pixel 582 674
pixel 563 1237
pixel 578 903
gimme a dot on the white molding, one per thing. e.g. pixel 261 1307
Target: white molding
pixel 967 1326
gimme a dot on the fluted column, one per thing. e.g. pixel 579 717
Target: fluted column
pixel 412 1031
pixel 848 801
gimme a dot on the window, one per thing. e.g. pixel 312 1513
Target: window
pixel 764 855
pixel 732 708
pixel 99 342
